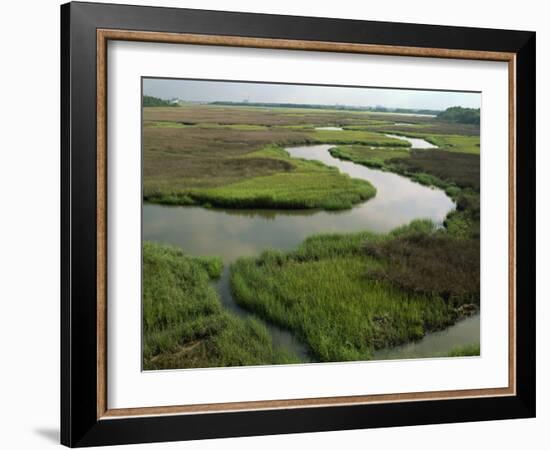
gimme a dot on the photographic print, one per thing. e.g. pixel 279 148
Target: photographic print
pixel 292 224
pixel 291 206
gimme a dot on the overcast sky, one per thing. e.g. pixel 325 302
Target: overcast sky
pixel 209 91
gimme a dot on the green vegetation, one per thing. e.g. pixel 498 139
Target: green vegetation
pixel 166 124
pixel 230 126
pixel 355 137
pixel 460 115
pixel 453 143
pixel 149 101
pixel 447 142
pixel 458 144
pixel 300 185
pixel 343 295
pixel 457 173
pixel 458 169
pixel 465 220
pixel 184 323
pixel 424 130
pixel 466 350
pixel 375 125
pixel 197 146
pixel 337 297
pixel 375 157
pixel 192 156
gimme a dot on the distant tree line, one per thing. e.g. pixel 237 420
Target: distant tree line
pixel 458 114
pixel 333 107
pixel 149 100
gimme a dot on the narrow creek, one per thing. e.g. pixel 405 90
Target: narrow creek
pixel 438 343
pixel 235 233
pixel 415 142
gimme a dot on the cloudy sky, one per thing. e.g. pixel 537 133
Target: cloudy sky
pixel 208 91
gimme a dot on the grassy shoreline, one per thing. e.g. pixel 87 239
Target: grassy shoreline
pixel 300 185
pixel 302 290
pixel 186 326
pixel 244 165
pixel 184 322
pixel 458 174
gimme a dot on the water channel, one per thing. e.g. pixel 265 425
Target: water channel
pixel 235 233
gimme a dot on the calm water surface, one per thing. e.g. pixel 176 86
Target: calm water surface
pixel 235 233
pixel 464 332
pixel 415 142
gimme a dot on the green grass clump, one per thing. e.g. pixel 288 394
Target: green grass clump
pixel 297 127
pixel 368 125
pixel 184 323
pixel 453 143
pixel 246 127
pixel 356 137
pixel 375 157
pixel 165 124
pixel 466 350
pixel 464 222
pixel 207 125
pixel 322 293
pixel 303 185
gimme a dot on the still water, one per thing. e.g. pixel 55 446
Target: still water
pixel 464 332
pixel 235 233
pixel 415 142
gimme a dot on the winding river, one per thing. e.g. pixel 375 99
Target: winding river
pixel 235 233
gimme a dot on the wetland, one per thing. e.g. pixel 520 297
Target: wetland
pixel 279 235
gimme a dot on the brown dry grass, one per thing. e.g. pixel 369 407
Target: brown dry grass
pixel 194 157
pixel 432 264
pixel 201 146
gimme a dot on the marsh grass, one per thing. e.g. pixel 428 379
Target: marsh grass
pixel 465 350
pixel 426 128
pixel 324 293
pixel 456 173
pixel 433 264
pixel 337 293
pixel 195 155
pixel 299 184
pixel 375 157
pixel 453 143
pixel 198 154
pixel 355 137
pixel 445 168
pixel 461 169
pixel 184 323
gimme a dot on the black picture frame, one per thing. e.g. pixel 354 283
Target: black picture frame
pixel 80 425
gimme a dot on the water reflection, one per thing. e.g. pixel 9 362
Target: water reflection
pixel 234 233
pixel 415 142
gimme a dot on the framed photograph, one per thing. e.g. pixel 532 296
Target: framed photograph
pixel 276 224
